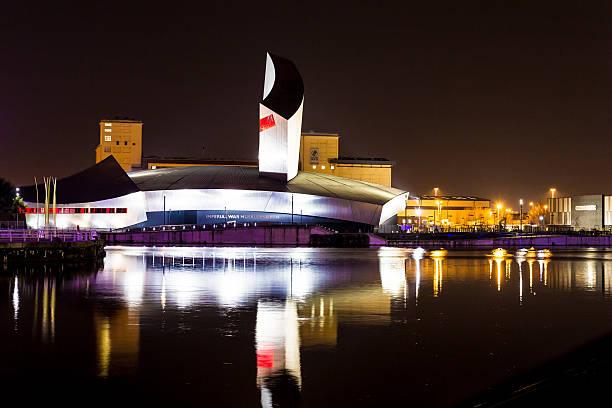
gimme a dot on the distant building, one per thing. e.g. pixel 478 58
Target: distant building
pixel 583 212
pixel 319 153
pixel 446 211
pixel 122 139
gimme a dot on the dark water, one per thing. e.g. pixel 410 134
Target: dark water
pixel 282 327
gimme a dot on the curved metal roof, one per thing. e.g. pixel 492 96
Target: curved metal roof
pixel 248 178
pixel 102 181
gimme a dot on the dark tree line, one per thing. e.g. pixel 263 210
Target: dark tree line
pixel 9 201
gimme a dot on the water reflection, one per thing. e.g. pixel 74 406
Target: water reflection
pixel 278 352
pixel 117 340
pixel 284 307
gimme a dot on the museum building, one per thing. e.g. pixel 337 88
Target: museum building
pixel 276 191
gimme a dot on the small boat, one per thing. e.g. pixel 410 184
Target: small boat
pixel 544 253
pixel 499 253
pixel 438 253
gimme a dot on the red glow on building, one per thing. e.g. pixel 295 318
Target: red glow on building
pixel 266 123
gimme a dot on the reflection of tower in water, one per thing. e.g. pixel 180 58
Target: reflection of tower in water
pixel 278 353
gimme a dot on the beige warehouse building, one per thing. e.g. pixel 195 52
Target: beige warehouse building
pixel 121 138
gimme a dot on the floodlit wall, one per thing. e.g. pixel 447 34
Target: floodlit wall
pixel 316 150
pixel 364 172
pixel 123 140
pixel 134 203
pixel 221 202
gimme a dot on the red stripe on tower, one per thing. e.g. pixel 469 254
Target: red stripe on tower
pixel 266 123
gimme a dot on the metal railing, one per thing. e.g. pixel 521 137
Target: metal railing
pixel 47 235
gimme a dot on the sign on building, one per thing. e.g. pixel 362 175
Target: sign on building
pixel 314 155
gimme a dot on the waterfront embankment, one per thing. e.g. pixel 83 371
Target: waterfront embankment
pixel 276 235
pixel 520 241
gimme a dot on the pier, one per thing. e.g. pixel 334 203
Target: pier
pixel 49 246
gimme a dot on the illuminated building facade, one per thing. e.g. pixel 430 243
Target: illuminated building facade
pixel 584 212
pixel 319 153
pixel 105 196
pixel 316 150
pixel 447 211
pixel 121 138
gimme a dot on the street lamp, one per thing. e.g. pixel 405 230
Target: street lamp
pixel 521 214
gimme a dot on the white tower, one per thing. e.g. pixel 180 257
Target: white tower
pixel 280 119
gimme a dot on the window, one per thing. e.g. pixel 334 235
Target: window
pixel 108 130
pixel 107 138
pixel 108 124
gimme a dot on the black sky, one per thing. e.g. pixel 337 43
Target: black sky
pixel 496 99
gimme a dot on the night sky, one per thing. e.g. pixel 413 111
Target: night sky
pixel 494 99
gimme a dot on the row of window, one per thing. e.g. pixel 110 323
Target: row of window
pixel 77 210
pixel 125 143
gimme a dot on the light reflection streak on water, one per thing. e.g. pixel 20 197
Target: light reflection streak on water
pixel 530 262
pixel 508 263
pixel 591 275
pixel 519 261
pixel 437 276
pixel 417 255
pixel 163 292
pixel 16 301
pixel 45 328
pixel 417 282
pixel 104 347
pixel 52 310
pixel 392 269
pixel 498 261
